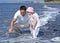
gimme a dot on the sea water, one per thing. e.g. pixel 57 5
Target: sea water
pixel 49 23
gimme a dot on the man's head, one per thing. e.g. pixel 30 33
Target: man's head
pixel 23 10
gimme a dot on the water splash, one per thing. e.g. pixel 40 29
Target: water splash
pixel 48 15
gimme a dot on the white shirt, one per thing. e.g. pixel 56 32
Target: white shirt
pixel 38 20
pixel 21 19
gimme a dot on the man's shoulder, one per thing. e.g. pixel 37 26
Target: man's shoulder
pixel 17 11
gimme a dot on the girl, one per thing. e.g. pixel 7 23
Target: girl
pixel 34 22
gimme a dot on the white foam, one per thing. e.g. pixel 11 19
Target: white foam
pixel 56 39
pixel 48 15
pixel 22 38
pixel 49 8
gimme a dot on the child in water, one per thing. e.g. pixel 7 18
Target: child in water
pixel 34 22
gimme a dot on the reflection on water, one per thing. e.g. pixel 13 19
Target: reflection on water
pixel 49 30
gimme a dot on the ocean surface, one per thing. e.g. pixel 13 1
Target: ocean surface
pixel 50 23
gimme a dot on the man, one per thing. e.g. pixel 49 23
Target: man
pixel 20 20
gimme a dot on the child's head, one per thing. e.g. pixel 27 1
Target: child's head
pixel 30 10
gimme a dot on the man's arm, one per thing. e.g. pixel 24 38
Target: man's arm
pixel 12 25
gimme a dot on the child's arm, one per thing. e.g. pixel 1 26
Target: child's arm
pixel 35 21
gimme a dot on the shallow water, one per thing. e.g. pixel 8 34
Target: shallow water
pixel 48 30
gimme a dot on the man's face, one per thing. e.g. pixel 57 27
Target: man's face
pixel 23 12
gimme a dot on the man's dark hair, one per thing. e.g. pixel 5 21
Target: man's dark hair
pixel 23 8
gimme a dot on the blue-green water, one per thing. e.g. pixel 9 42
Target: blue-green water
pixel 47 32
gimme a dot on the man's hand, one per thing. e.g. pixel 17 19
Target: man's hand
pixel 10 30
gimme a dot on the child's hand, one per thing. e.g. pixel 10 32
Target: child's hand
pixel 32 26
